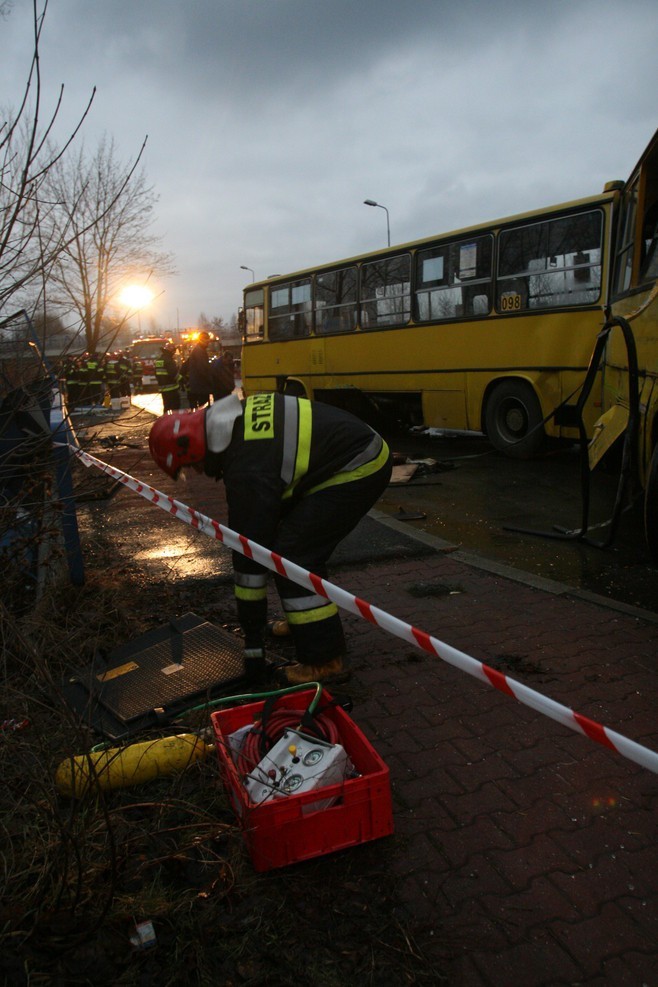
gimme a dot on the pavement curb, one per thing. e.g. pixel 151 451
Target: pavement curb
pixel 508 572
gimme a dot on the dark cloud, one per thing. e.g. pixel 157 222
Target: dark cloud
pixel 270 121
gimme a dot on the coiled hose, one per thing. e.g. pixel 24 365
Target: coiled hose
pixel 266 732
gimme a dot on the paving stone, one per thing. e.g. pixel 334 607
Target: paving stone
pixel 525 853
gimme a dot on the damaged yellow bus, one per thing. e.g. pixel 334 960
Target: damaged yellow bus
pixel 487 328
pixel 630 359
pixel 492 328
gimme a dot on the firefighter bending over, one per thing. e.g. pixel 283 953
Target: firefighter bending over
pixel 299 476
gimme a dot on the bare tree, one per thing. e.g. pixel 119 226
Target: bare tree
pixel 29 244
pixel 104 214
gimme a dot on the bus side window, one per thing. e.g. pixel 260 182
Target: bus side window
pixel 649 264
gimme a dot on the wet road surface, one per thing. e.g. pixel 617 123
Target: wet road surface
pixel 477 495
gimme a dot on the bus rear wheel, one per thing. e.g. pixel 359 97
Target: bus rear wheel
pixel 513 420
pixel 651 506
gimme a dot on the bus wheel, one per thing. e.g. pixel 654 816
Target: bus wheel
pixel 651 506
pixel 513 420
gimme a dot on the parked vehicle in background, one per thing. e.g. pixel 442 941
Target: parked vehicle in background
pixel 143 353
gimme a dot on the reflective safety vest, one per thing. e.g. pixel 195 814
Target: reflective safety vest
pixel 94 372
pixel 168 379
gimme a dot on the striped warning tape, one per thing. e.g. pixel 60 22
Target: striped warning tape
pixel 420 639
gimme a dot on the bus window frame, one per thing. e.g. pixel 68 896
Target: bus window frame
pixel 379 324
pixel 519 298
pixel 444 284
pixel 298 313
pixel 340 324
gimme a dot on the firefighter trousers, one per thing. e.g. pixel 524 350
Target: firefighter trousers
pixel 309 531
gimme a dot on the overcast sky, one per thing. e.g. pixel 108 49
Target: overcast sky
pixel 270 121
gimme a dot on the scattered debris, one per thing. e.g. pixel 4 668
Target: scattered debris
pixel 434 589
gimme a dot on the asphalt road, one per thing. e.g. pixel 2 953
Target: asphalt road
pixel 476 497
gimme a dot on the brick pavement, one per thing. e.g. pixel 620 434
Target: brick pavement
pixel 525 854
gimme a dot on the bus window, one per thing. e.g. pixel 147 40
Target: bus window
pixel 386 292
pixel 649 259
pixel 626 244
pixel 453 280
pixel 290 310
pixel 253 315
pixel 551 264
pixel 335 301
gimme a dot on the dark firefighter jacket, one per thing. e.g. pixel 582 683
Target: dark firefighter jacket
pixel 166 372
pixel 272 450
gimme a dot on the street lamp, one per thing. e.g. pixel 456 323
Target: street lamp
pixel 371 202
pixel 243 268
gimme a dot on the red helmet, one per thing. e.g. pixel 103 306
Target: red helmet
pixel 178 439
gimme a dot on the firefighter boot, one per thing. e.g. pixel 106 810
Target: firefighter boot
pixel 332 672
pixel 255 666
pixel 279 628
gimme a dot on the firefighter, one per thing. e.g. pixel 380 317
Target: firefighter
pixel 111 369
pixel 299 476
pixel 72 381
pixel 168 378
pixel 200 379
pixel 94 379
pixel 124 370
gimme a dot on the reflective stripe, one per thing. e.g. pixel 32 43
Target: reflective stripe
pixel 367 469
pixel 370 452
pixel 290 427
pixel 250 578
pixel 304 603
pixel 298 427
pixel 242 593
pixel 312 616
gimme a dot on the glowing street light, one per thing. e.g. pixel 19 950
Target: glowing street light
pixel 371 202
pixel 136 297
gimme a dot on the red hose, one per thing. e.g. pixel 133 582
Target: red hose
pixel 255 746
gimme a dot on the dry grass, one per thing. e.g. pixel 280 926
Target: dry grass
pixel 78 875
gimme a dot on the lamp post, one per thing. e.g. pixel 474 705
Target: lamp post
pixel 371 202
pixel 243 268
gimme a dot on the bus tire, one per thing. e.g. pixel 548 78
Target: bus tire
pixel 651 506
pixel 513 420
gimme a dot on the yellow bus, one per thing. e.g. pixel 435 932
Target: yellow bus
pixel 630 359
pixel 488 328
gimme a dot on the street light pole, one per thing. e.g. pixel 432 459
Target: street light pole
pixel 371 202
pixel 243 268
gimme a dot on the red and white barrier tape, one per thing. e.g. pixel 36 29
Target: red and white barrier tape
pixel 420 639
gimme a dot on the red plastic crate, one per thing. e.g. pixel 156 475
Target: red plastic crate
pixel 285 831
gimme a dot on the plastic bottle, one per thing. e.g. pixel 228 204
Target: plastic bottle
pixel 123 767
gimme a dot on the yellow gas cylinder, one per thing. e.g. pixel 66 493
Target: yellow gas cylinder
pixel 122 767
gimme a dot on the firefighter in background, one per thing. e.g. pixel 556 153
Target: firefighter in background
pixel 168 378
pixel 223 374
pixel 111 369
pixel 125 374
pixel 299 476
pixel 94 382
pixel 73 382
pixel 200 380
